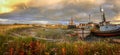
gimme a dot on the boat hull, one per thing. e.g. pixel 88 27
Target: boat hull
pixel 107 33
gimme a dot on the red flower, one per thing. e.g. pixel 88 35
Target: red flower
pixel 11 51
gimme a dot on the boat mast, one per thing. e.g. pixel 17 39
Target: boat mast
pixel 89 18
pixel 71 21
pixel 103 16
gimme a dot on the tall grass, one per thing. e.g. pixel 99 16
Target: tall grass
pixel 27 45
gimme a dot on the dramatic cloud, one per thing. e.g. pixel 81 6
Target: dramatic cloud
pixel 117 17
pixel 7 6
pixel 58 10
pixel 62 3
pixel 11 5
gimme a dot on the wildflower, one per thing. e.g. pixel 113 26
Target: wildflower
pixel 46 53
pixel 76 45
pixel 80 51
pixel 96 53
pixel 11 51
pixel 21 52
pixel 63 51
pixel 33 47
pixel 53 51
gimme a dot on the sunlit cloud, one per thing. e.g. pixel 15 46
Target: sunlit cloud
pixel 7 6
pixel 42 22
pixel 58 9
pixel 53 3
pixel 6 9
pixel 117 17
pixel 38 3
pixel 3 20
pixel 97 2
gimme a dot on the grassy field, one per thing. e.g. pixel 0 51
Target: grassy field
pixel 28 40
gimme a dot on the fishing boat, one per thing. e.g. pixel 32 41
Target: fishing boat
pixel 71 24
pixel 104 28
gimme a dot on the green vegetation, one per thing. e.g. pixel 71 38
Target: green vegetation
pixel 27 41
pixel 29 46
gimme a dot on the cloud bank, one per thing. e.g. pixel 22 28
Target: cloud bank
pixel 58 10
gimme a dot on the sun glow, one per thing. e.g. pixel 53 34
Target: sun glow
pixel 7 6
pixel 6 9
pixel 116 19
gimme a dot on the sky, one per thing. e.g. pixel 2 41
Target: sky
pixel 57 11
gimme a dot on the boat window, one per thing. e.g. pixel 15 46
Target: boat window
pixel 106 27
